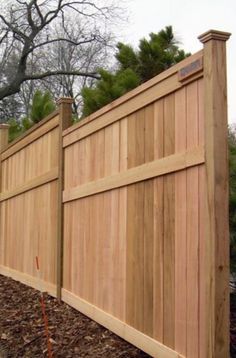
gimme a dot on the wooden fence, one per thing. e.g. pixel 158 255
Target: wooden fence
pixel 127 209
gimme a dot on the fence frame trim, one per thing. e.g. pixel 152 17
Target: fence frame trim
pixel 31 135
pixel 122 329
pixel 158 167
pixel 31 184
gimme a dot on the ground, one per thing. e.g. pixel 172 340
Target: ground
pixel 72 334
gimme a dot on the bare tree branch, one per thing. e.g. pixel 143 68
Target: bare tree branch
pixel 40 76
pixel 30 26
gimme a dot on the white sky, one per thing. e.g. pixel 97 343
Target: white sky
pixel 189 20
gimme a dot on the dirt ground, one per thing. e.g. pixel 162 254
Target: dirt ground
pixel 72 334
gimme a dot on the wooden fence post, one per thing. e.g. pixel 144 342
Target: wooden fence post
pixel 4 130
pixel 65 120
pixel 3 136
pixel 217 232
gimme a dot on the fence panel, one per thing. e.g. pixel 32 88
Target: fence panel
pixel 127 209
pixel 135 238
pixel 30 177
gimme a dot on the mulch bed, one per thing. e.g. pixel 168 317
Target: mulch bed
pixel 72 334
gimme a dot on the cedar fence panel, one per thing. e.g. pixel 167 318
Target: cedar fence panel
pixel 127 209
pixel 30 176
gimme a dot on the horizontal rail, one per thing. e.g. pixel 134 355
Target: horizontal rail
pixel 142 172
pixel 130 334
pixel 29 280
pixel 31 137
pixel 31 184
pixel 151 94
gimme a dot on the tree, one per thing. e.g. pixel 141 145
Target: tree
pixel 153 56
pixel 42 106
pixel 30 28
pixel 110 87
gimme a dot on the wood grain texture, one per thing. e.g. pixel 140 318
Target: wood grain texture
pixel 192 228
pixel 130 233
pixel 31 184
pixel 169 226
pixel 158 245
pixel 181 227
pixel 139 173
pixel 29 200
pixel 34 134
pixel 127 332
pixel 216 218
pixel 135 226
pixel 65 120
pixel 125 109
pixel 137 91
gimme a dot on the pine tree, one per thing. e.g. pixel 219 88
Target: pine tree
pixel 42 105
pixel 153 56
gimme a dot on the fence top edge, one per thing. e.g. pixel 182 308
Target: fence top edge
pixel 135 92
pixel 31 130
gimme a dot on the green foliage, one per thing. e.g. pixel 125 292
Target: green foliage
pixel 15 129
pixel 232 198
pixel 18 127
pixel 110 87
pixel 134 67
pixel 42 106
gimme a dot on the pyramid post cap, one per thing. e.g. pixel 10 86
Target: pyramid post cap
pixel 4 126
pixel 214 35
pixel 64 100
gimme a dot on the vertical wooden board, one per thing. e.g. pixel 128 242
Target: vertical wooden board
pixel 67 166
pixel 192 228
pixel 107 244
pixel 87 176
pixel 158 245
pixel 121 264
pixel 75 247
pixel 115 254
pixel 148 224
pixel 180 227
pixel 100 154
pixel 148 256
pixel 68 212
pixel 52 214
pixel 135 225
pixel 54 147
pixel 114 230
pixel 158 260
pixel 100 226
pixel 169 226
pixel 3 175
pixel 88 289
pixel 26 237
pixel 135 257
pixel 2 231
pixel 92 161
pixel 169 260
pixel 202 216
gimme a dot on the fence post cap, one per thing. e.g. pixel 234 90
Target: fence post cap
pixel 61 100
pixel 214 35
pixel 4 126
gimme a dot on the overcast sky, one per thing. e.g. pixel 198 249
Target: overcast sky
pixel 189 19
